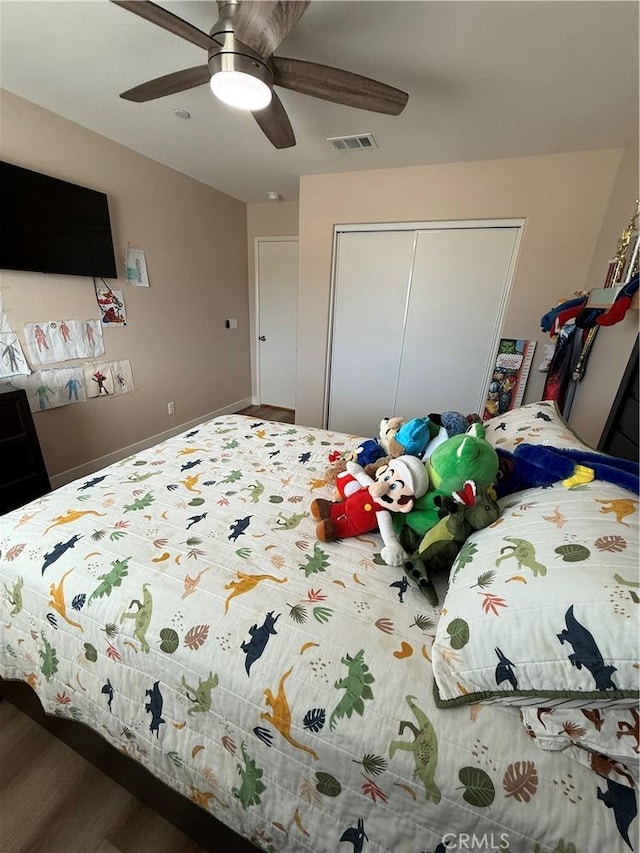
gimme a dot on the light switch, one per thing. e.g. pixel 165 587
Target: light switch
pixel 231 324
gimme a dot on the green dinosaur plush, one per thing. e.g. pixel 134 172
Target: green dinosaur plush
pixel 471 509
pixel 468 456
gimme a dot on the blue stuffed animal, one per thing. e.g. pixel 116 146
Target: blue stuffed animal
pixel 369 451
pixel 532 465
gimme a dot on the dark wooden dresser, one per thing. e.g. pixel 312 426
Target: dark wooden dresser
pixel 23 476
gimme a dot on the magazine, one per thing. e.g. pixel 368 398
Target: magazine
pixel 509 378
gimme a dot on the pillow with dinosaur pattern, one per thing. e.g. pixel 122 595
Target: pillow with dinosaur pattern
pixel 542 606
pixel 607 740
pixel 534 423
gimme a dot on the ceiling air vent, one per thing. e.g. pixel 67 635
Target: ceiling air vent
pixel 353 143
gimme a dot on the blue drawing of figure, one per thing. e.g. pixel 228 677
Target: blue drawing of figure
pixel 72 388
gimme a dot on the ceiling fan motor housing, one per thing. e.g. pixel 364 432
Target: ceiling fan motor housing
pixel 233 55
pixel 243 60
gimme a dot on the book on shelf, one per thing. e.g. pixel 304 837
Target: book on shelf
pixel 509 377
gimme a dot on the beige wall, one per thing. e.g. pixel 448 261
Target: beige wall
pixel 271 219
pixel 199 245
pixel 563 199
pixel 195 241
pixel 613 345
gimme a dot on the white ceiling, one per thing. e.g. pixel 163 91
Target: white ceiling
pixel 485 80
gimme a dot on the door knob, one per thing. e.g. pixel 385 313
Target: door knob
pixel 262 338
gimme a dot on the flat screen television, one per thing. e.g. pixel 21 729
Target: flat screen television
pixel 53 226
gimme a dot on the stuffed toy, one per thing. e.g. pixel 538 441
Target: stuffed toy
pixel 369 451
pixel 366 453
pixel 407 439
pixel 412 437
pixel 468 510
pixel 446 425
pixel 388 430
pixel 463 457
pixel 455 423
pixel 532 465
pixel 372 453
pixel 367 503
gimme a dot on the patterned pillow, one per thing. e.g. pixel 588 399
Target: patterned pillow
pixel 535 423
pixel 541 608
pixel 606 740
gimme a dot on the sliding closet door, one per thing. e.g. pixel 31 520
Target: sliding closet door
pixel 370 299
pixel 417 317
pixel 458 286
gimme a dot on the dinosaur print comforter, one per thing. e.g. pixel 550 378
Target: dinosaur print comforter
pixel 179 603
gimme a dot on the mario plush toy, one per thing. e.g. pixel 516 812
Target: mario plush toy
pixel 368 503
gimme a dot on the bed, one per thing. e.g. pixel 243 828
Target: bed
pixel 179 604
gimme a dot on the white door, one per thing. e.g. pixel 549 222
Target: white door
pixel 371 285
pixel 417 316
pixel 457 290
pixel 277 280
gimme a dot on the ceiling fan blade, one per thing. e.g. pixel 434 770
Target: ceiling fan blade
pixel 169 84
pixel 275 124
pixel 168 21
pixel 341 87
pixel 263 24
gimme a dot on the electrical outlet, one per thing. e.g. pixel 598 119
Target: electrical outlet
pixel 171 408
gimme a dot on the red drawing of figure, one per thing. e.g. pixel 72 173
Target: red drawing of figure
pixel 41 338
pixel 110 315
pixel 64 331
pixel 100 378
pixel 88 328
pixel 111 308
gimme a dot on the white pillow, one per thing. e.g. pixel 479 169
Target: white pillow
pixel 535 423
pixel 541 609
pixel 607 735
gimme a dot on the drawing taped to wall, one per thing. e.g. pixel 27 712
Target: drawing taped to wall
pixel 509 378
pixel 48 389
pixel 111 305
pixel 135 267
pixel 64 386
pixel 108 378
pixel 61 340
pixel 12 360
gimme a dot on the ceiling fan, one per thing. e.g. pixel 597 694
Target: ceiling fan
pixel 242 70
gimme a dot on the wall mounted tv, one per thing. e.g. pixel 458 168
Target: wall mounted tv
pixel 53 226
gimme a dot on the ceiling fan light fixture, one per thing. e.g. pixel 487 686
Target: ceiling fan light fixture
pixel 240 81
pixel 240 90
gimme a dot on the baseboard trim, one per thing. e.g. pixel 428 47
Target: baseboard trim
pixel 108 459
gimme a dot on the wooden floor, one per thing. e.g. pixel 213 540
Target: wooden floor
pixel 270 413
pixel 53 800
